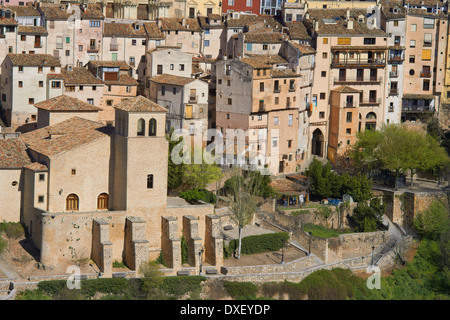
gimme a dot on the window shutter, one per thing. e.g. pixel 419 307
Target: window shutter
pixel 426 54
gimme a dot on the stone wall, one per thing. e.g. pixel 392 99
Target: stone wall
pixel 329 250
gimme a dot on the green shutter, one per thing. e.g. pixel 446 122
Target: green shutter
pixel 67 39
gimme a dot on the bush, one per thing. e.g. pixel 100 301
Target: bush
pixel 104 285
pixel 368 218
pixel 32 295
pixel 184 250
pixel 193 196
pixel 433 222
pixel 180 285
pixel 3 244
pixel 241 290
pixel 52 287
pixel 117 264
pixel 257 244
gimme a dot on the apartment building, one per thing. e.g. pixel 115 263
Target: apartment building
pixel 8 29
pixel 183 33
pixel 425 59
pixel 248 6
pixel 395 24
pixel 350 51
pixel 186 100
pixel 202 8
pixel 214 36
pixel 260 94
pixel 24 83
pixel 118 85
pixel 259 41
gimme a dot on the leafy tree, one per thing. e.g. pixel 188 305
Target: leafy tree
pixel 198 176
pixel 367 217
pixel 363 152
pixel 434 221
pixel 175 171
pixel 243 200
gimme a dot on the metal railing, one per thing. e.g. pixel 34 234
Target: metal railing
pixel 357 79
pixel 370 101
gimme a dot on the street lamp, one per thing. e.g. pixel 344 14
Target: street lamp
pixel 309 251
pixel 373 248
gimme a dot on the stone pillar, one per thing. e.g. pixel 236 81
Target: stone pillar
pixel 136 246
pixel 170 243
pixel 102 247
pixel 46 256
pixel 213 240
pixel 190 230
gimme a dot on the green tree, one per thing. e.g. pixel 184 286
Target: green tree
pixel 199 175
pixel 434 221
pixel 367 216
pixel 243 202
pixel 174 171
pixel 363 152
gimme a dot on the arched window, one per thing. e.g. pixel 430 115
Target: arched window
pixel 152 127
pixel 72 202
pixel 102 201
pixel 141 127
pixel 371 115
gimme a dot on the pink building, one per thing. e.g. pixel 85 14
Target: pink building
pixel 17 2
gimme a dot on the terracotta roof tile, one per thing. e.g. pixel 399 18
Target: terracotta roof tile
pixel 8 22
pixel 172 79
pixel 298 31
pixel 66 103
pixel 79 76
pixel 122 65
pixel 55 12
pixel 303 48
pixel 13 153
pixel 124 80
pixel 25 59
pixel 32 30
pixel 36 166
pixel 65 136
pixel 248 20
pixel 128 30
pixel 263 61
pixel 92 11
pixel 139 104
pixel 175 24
pixel 346 89
pixel 263 38
pixel 25 11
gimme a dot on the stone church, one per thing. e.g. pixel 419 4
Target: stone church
pixel 83 189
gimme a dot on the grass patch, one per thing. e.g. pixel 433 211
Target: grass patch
pixel 323 232
pixel 117 264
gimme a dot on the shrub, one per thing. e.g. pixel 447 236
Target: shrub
pixel 184 250
pixel 432 222
pixel 193 196
pixel 104 285
pixel 52 287
pixel 241 290
pixel 257 243
pixel 180 285
pixel 367 218
pixel 3 244
pixel 32 295
pixel 117 264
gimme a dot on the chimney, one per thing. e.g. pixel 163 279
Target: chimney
pixel 183 22
pixel 307 16
pixel 158 23
pixel 350 24
pixel 348 14
pixel 316 25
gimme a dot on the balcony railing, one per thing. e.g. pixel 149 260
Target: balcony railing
pixel 393 92
pixel 114 47
pixel 370 101
pixel 417 109
pixel 291 89
pixel 344 62
pixel 92 49
pixel 393 74
pixel 193 99
pixel 277 90
pixel 427 44
pixel 356 79
pixel 425 74
pixel 349 105
pixel 396 58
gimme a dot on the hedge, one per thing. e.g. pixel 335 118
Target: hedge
pixel 257 244
pixel 180 285
pixel 241 290
pixel 193 196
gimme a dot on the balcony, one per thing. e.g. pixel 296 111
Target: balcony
pixel 193 99
pixel 425 74
pixel 347 80
pixel 114 47
pixel 370 102
pixel 427 44
pixel 277 90
pixel 92 49
pixel 417 109
pixel 338 63
pixel 393 74
pixel 37 45
pixel 349 105
pixel 393 92
pixel 395 58
pixel 291 89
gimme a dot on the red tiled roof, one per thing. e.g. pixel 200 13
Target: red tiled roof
pixel 66 103
pixel 172 79
pixel 13 153
pixel 36 166
pixel 139 104
pixel 25 59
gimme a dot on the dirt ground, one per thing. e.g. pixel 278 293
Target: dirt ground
pixel 266 258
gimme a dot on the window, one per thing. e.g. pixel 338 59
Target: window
pixel 412 43
pixel 94 88
pixel 40 199
pixel 321 114
pixel 31 101
pixel 249 3
pixel 349 117
pixel 41 84
pixel 277 100
pixel 23 38
pixel 72 202
pixel 325 40
pixel 94 24
pixel 159 69
pixel 41 177
pixel 428 23
pixel 90 101
pixel 369 40
pixel 274 142
pixel 20 84
pixel 229 101
pixel 113 56
pixel 207 31
pixel 171 66
pixel 229 83
pixel 81 88
pixel 261 87
pixel 141 127
pixel 152 127
pixel 322 96
pixel 40 69
pixel 20 68
pixel 181 67
pixel 70 89
pixel 265 47
pixel 395 23
pixel 133 42
pixel 249 46
pixel 324 55
pixel 150 181
pixel 426 54
pixel 174 91
pixel 323 74
pixel 412 59
pixel 344 41
pixel 67 39
pixel 426 85
pixel 163 90
pixel 414 27
pixel 289 143
pixel 56 84
pixel 427 40
pixel 67 53
pixel 144 42
pixel 290 120
pixel 102 201
pixel 348 131
pixel 80 48
pixel 276 121
pixel 206 43
pixel 109 102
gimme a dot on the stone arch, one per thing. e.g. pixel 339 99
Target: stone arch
pixel 317 143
